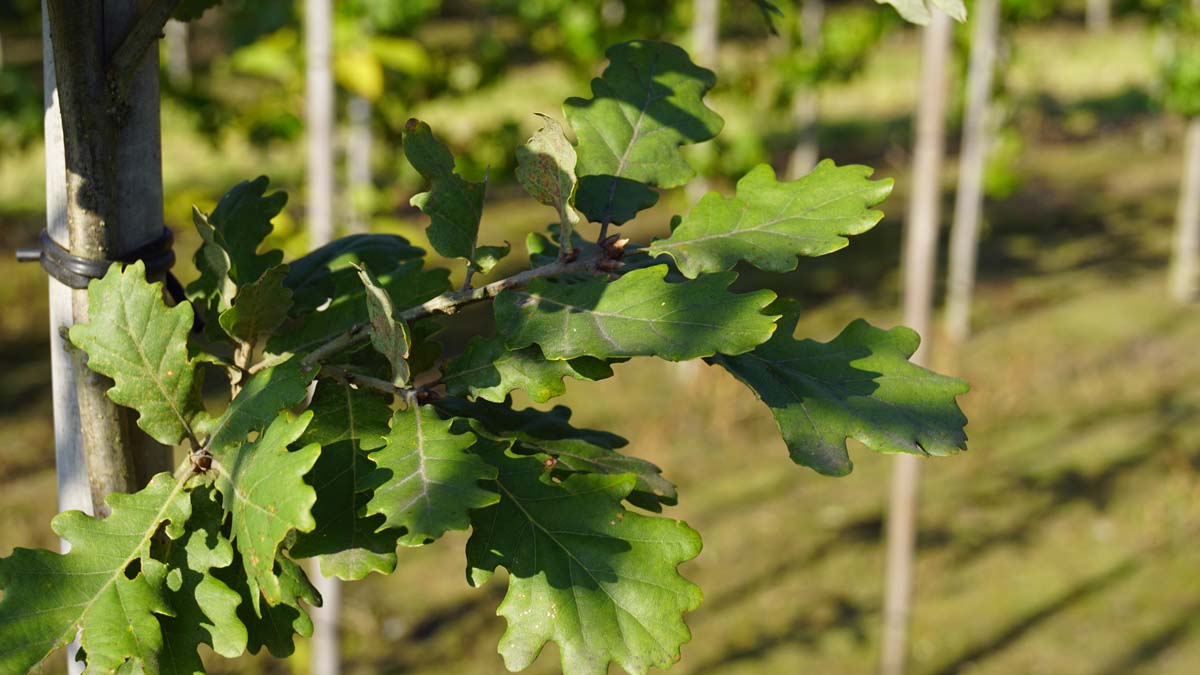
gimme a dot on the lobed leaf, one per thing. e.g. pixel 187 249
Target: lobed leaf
pixel 262 487
pixel 769 222
pixel 859 385
pixel 259 308
pixel 490 371
pixel 109 587
pixel 427 479
pixel 135 339
pixel 256 406
pixel 646 104
pixel 548 435
pixel 639 314
pixel 347 423
pixel 599 581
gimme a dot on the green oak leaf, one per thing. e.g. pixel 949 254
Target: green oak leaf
pixel 213 289
pixel 859 385
pixel 135 339
pixel 282 387
pixel 454 204
pixel 389 334
pixel 599 581
pixel 546 169
pixel 259 308
pixel 487 257
pixel 205 608
pixel 262 487
pixel 315 277
pixel 548 434
pixel 921 11
pixel 646 104
pixel 273 626
pixel 769 222
pixel 347 423
pixel 345 306
pixel 427 479
pixel 108 586
pixel 639 314
pixel 490 371
pixel 237 227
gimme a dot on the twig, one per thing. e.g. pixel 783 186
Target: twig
pixel 344 376
pixel 449 303
pixel 141 37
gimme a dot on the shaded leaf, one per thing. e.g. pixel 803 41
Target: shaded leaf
pixel 259 308
pixel 599 581
pixel 769 222
pixel 347 422
pixel 315 277
pixel 427 480
pixel 490 371
pixel 546 434
pixel 108 586
pixel 639 314
pixel 282 387
pixel 646 104
pixel 273 626
pixel 546 169
pixel 205 608
pixel 135 339
pixel 859 385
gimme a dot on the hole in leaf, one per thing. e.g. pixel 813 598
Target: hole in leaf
pixel 133 569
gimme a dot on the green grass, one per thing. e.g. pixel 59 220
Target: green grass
pixel 1062 543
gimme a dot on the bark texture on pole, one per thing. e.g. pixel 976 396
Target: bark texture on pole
pixel 968 200
pixel 318 48
pixel 1185 254
pixel 920 260
pixel 113 179
pixel 806 103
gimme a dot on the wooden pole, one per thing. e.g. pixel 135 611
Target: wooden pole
pixel 920 261
pixel 806 103
pixel 1185 254
pixel 318 40
pixel 968 200
pixel 358 162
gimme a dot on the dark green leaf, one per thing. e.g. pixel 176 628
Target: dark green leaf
pixel 769 223
pixel 347 423
pixel 599 581
pixel 454 205
pixel 859 385
pixel 646 104
pixel 315 278
pixel 490 371
pixel 639 314
pixel 259 308
pixel 258 403
pixel 135 339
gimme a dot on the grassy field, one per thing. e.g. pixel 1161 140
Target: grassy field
pixel 1063 542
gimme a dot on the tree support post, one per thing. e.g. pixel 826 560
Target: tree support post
pixel 920 263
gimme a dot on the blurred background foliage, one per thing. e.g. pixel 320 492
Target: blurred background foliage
pixel 1064 542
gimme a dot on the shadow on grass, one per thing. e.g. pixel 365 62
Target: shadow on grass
pixel 1181 626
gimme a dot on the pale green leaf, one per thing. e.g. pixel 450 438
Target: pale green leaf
pixel 262 486
pixel 639 314
pixel 645 105
pixel 389 335
pixel 427 479
pixel 859 385
pixel 769 222
pixel 490 371
pixel 135 339
pixel 920 11
pixel 259 307
pixel 546 169
pixel 599 581
pixel 109 587
pixel 548 434
pixel 347 422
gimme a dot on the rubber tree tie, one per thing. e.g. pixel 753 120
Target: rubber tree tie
pixel 76 272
